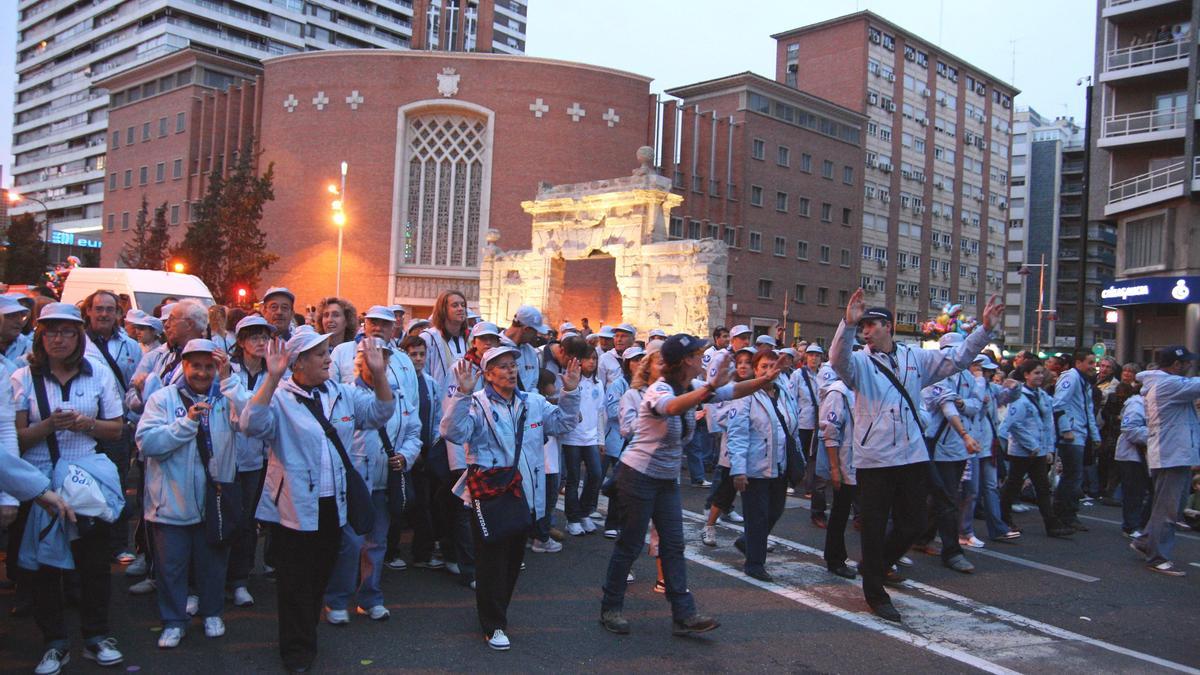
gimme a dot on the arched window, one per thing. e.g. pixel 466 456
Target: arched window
pixel 445 159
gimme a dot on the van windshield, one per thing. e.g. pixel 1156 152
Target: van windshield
pixel 147 301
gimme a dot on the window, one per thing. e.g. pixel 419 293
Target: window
pixel 693 229
pixel 128 178
pixel 758 149
pixel 177 169
pixel 764 289
pixel 755 241
pixel 112 181
pixel 145 132
pixel 1144 242
pixel 143 175
pixel 845 257
pixel 843 298
pixel 804 206
pixel 160 172
pixel 826 212
pixel 129 136
pixel 822 296
pixel 714 231
pixel 756 195
pixel 163 123
pixel 174 214
pixel 802 250
pixel 112 221
pixel 785 156
pixel 780 246
pixel 846 216
pixel 730 236
pixel 116 140
pixel 827 169
pixel 806 162
pixel 781 201
pixel 825 250
pixel 848 175
pixel 180 122
pixel 799 293
pixel 125 220
pixel 675 228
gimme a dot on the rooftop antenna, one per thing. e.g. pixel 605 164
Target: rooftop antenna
pixel 1013 75
pixel 941 19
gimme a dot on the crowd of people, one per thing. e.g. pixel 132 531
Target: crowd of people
pixel 329 435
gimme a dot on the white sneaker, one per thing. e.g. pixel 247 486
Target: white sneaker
pixel 104 652
pixel 791 492
pixel 143 587
pixel 242 597
pixel 337 617
pixel 137 568
pixel 170 637
pixel 548 546
pixel 588 525
pixel 971 541
pixel 708 536
pixel 472 585
pixel 193 605
pixel 1020 508
pixel 595 515
pixel 499 641
pixel 377 613
pixel 732 517
pixel 629 578
pixel 452 568
pixel 434 563
pixel 1136 534
pixel 612 534
pixel 214 626
pixel 905 561
pixel 396 563
pixel 575 529
pixel 52 662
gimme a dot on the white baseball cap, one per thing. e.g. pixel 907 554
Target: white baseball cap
pixel 495 353
pixel 199 346
pixel 528 315
pixel 740 329
pixel 380 313
pixel 484 328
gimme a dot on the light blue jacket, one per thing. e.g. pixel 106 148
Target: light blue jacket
pixel 614 443
pixel 888 434
pixel 940 402
pixel 295 442
pixel 175 481
pixel 986 424
pixel 54 548
pixel 251 452
pixel 125 351
pixel 485 423
pixel 1029 425
pixel 837 425
pixel 756 441
pixel 1134 433
pixel 804 386
pixel 403 429
pixel 1073 408
pixel 1173 437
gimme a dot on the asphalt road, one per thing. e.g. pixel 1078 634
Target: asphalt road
pixel 1085 605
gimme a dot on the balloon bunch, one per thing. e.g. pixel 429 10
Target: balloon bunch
pixel 950 320
pixel 56 279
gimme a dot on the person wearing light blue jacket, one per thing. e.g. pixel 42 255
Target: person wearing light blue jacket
pixel 837 432
pixel 1172 449
pixel 1029 428
pixel 761 434
pixel 1076 431
pixel 304 493
pixel 183 428
pixel 981 485
pixel 1130 457
pixel 490 423
pixel 375 453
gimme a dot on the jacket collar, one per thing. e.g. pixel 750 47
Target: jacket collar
pixel 301 392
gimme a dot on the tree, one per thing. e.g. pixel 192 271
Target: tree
pixel 137 253
pixel 26 258
pixel 158 240
pixel 203 247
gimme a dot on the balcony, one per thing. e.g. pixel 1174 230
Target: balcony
pixel 1146 59
pixel 1146 126
pixel 1147 188
pixel 1120 8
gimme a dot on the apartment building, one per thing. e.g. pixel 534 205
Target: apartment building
pixel 936 163
pixel 65 47
pixel 1146 170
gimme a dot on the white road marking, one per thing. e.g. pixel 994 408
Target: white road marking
pixel 1035 565
pixel 1183 535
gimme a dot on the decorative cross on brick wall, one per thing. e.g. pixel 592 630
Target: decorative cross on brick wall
pixel 575 111
pixel 611 117
pixel 354 99
pixel 290 103
pixel 320 100
pixel 538 108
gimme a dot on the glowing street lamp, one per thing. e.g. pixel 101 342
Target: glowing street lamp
pixel 178 267
pixel 339 219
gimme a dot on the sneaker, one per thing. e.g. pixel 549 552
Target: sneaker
pixel 143 587
pixel 1166 567
pixel 612 534
pixel 452 568
pixel 337 617
pixel 932 548
pixel 959 563
pixel 169 638
pixel 575 529
pixel 548 546
pixel 697 623
pixel 242 597
pixel 193 605
pixel 893 577
pixel 660 587
pixel 214 627
pixel 396 563
pixel 971 541
pixel 614 622
pixel 732 516
pixel 1008 536
pixel 124 558
pixel 499 641
pixel 905 561
pixel 596 515
pixel 52 662
pixel 1136 534
pixel 1133 546
pixel 137 568
pixel 588 525
pixel 791 492
pixel 1019 508
pixel 703 483
pixel 433 563
pixel 708 536
pixel 376 613
pixel 629 578
pixel 268 572
pixel 557 534
pixel 104 652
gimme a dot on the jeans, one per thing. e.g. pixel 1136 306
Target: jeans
pixel 497 566
pixel 697 451
pixel 1037 468
pixel 944 480
pixel 541 528
pixel 92 565
pixel 722 495
pixel 303 564
pixel 835 533
pixel 982 487
pixel 644 499
pixel 1158 541
pixel 1136 497
pixel 579 506
pixel 762 502
pixel 897 493
pixel 1070 483
pixel 612 518
pixel 245 541
pixel 180 549
pixel 360 561
pixel 426 518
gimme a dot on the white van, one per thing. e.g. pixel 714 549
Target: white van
pixel 145 288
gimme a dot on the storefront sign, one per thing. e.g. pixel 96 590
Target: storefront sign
pixel 1152 290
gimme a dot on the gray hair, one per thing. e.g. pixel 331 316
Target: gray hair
pixel 193 311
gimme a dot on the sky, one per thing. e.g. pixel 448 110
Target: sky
pixel 1042 47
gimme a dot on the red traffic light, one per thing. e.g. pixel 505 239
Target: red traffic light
pixel 241 292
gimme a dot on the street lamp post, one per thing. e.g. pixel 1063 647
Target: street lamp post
pixel 339 219
pixel 1083 213
pixel 17 198
pixel 1037 347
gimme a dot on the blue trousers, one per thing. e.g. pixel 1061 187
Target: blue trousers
pixel 579 506
pixel 1136 497
pixel 356 574
pixel 983 487
pixel 697 452
pixel 1158 542
pixel 541 529
pixel 762 502
pixel 176 548
pixel 644 499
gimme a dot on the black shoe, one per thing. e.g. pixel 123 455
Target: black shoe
pixel 1077 526
pixel 844 571
pixel 697 623
pixel 887 611
pixel 1060 531
pixel 893 577
pixel 740 544
pixel 613 622
pixel 820 522
pixel 761 575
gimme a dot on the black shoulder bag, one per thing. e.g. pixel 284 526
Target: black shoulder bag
pixel 360 512
pixel 497 499
pixel 400 491
pixel 222 501
pixel 930 443
pixel 793 451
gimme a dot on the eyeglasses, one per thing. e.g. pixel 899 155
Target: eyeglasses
pixel 257 337
pixel 511 365
pixel 61 333
pixel 279 307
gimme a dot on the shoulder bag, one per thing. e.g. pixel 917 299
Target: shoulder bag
pixel 222 501
pixel 360 512
pixel 497 498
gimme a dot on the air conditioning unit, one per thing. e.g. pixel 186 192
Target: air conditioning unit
pixel 902 291
pixel 871 161
pixel 939 185
pixel 885 167
pixel 891 106
pixel 942 102
pixel 923 121
pixel 1007 103
pixel 891 77
pixel 876 38
pixel 873 98
pixel 882 263
pixel 945 275
pixel 885 198
pixel 991 254
pixel 918 210
pixel 906 173
pixel 925 92
pixel 981 90
pixel 1003 206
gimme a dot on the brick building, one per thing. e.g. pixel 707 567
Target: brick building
pixel 776 173
pixel 936 165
